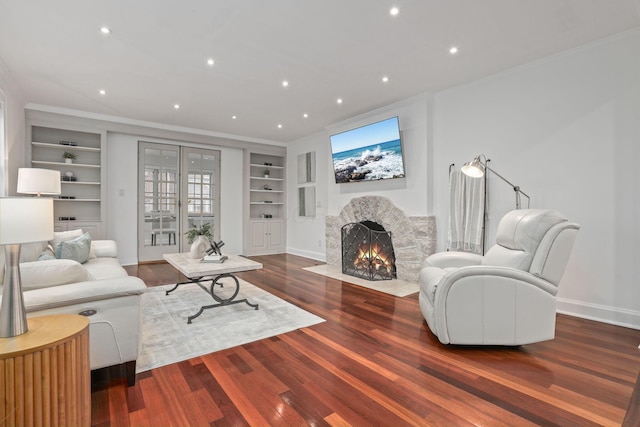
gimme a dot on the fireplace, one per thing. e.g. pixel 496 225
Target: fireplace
pixel 367 251
pixel 414 237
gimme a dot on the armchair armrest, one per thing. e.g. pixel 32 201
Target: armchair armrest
pixel 452 260
pixel 104 248
pixel 494 305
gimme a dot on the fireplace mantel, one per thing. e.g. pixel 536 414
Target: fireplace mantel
pixel 414 238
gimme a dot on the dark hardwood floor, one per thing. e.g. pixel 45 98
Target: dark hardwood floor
pixel 374 362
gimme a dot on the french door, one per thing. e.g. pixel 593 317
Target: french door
pixel 178 189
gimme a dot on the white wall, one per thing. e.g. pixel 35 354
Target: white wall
pixel 15 144
pixel 566 129
pixel 122 193
pixel 305 235
pixel 410 193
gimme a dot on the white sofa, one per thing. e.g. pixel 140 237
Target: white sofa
pixel 98 288
pixel 508 296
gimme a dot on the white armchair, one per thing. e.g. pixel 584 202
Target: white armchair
pixel 508 296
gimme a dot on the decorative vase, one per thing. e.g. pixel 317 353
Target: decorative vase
pixel 69 161
pixel 199 247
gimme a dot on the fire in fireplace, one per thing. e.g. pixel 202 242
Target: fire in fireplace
pixel 367 251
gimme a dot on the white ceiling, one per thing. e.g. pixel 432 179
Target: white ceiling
pixel 156 54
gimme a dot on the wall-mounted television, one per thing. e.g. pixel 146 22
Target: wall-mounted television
pixel 368 153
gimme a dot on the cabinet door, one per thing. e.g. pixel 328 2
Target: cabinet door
pixel 258 236
pixel 276 235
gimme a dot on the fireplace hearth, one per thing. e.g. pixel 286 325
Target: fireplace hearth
pixel 367 251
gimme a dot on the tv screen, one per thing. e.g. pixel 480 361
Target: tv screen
pixel 368 153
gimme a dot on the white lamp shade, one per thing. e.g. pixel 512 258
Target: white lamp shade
pixel 38 181
pixel 25 220
pixel 474 169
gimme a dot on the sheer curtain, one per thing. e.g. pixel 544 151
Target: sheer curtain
pixel 466 212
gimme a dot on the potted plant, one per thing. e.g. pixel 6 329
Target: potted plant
pixel 68 157
pixel 199 238
pixel 267 172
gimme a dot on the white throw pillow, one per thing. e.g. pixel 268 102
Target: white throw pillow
pixel 61 236
pixel 43 274
pixel 76 249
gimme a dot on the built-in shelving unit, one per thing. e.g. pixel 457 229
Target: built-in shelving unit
pixel 266 203
pixel 81 203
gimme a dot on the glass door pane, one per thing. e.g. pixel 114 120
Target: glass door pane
pixel 159 212
pixel 201 189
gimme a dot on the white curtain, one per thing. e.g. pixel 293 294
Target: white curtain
pixel 466 212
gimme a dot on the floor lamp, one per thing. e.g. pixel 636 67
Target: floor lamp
pixel 476 169
pixel 22 220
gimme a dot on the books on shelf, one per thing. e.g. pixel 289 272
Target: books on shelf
pixel 214 258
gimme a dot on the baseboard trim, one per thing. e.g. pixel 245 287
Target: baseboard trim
pixel 308 254
pixel 599 313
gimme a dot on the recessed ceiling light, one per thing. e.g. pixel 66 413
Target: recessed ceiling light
pixel 105 30
pixel 453 50
pixel 210 62
pixel 385 79
pixel 176 106
pixel 285 83
pixel 339 100
pixel 394 11
pixel 234 117
pixel 305 115
pixel 102 92
pixel 279 126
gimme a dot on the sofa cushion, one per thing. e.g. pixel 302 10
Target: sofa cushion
pixel 44 274
pixel 76 249
pixel 105 268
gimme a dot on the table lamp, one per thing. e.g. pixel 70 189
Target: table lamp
pixel 22 220
pixel 38 181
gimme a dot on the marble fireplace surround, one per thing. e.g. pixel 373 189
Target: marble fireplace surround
pixel 413 237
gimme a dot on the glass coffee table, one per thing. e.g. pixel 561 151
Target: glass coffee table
pixel 202 272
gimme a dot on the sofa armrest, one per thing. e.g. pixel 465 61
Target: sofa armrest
pixel 82 292
pixel 104 248
pixel 452 259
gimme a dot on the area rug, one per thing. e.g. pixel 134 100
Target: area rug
pixel 167 338
pixel 399 288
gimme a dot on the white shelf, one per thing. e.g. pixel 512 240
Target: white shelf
pixel 266 191
pixel 63 164
pixel 259 165
pixel 265 203
pixel 65 147
pixel 80 182
pixel 266 179
pixel 88 168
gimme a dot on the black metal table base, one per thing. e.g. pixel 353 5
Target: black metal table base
pixel 220 301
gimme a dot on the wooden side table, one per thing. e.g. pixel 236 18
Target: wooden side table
pixel 45 376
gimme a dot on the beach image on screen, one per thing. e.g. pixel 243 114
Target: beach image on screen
pixel 368 153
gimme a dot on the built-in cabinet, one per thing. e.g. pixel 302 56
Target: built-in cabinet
pixel 266 203
pixel 81 203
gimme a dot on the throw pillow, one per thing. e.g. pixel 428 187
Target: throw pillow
pixel 61 236
pixel 76 249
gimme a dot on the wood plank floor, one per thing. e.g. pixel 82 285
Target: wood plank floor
pixel 374 362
